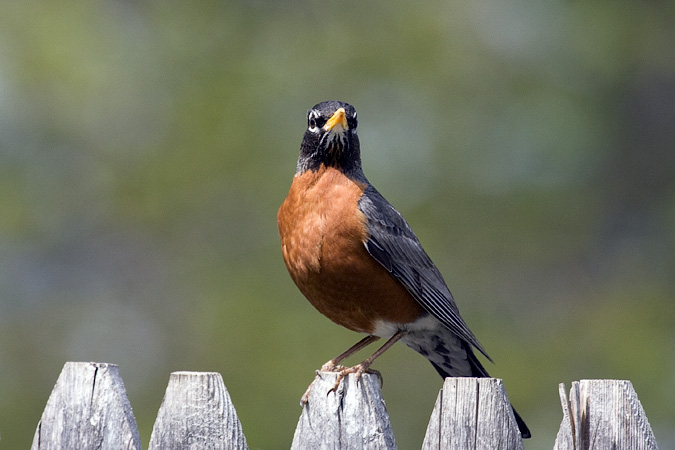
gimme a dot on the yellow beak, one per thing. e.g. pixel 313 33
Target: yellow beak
pixel 336 119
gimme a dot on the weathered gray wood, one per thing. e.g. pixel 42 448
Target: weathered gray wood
pixel 472 413
pixel 603 414
pixel 197 413
pixel 352 417
pixel 567 438
pixel 88 408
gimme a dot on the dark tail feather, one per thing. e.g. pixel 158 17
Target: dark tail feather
pixel 480 372
pixel 524 431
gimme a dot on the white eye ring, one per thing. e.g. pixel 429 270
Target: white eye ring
pixel 311 122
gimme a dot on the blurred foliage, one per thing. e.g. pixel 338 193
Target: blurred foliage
pixel 145 147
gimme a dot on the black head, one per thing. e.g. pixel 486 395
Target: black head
pixel 331 139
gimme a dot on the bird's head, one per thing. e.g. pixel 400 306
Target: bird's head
pixel 330 138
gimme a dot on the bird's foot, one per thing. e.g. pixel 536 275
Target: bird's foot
pixel 342 372
pixel 305 397
pixel 357 370
pixel 330 366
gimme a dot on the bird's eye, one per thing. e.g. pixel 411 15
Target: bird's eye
pixel 313 122
pixel 352 122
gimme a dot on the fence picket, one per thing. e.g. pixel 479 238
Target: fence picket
pixel 353 416
pixel 88 408
pixel 197 412
pixel 472 413
pixel 603 414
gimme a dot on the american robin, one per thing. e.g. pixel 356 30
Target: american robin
pixel 357 260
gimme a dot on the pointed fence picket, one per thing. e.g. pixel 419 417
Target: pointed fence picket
pixel 89 408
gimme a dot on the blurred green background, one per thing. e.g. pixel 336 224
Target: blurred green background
pixel 145 147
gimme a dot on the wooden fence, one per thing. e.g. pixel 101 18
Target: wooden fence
pixel 89 408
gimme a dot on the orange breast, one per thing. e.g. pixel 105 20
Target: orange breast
pixel 322 239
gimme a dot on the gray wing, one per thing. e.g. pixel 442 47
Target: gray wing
pixel 394 245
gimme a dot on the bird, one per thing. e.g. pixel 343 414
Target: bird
pixel 357 260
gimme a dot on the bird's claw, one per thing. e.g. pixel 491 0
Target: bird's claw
pixel 358 371
pixel 330 366
pixel 342 372
pixel 305 397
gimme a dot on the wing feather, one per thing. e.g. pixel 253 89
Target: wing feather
pixel 394 245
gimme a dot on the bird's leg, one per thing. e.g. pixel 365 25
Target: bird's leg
pixel 364 367
pixel 332 365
